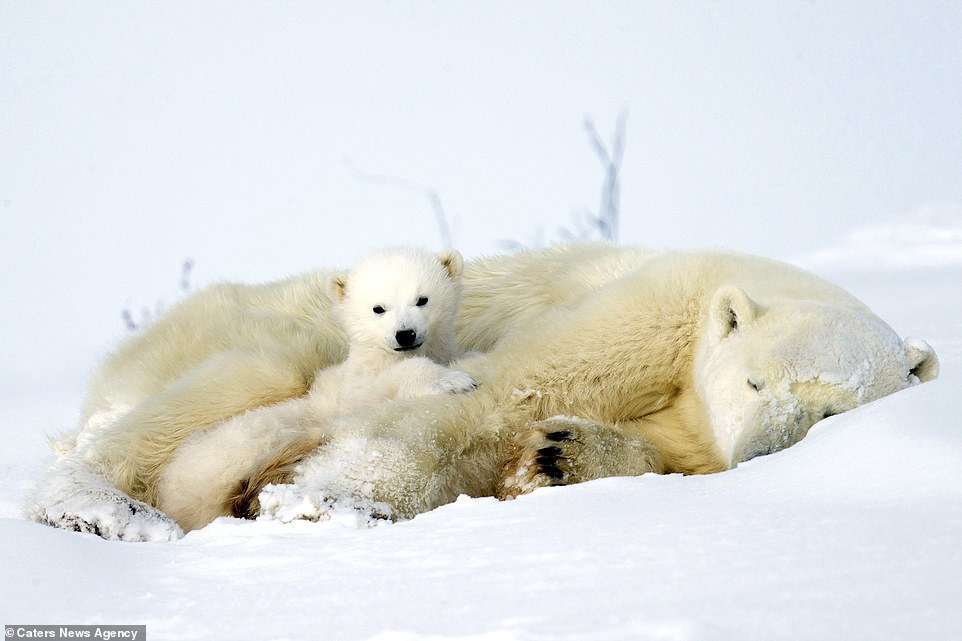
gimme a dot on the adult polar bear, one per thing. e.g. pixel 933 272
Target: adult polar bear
pixel 602 361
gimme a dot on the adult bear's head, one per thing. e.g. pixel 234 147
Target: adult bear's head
pixel 768 373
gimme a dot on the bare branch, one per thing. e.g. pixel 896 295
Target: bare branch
pixel 585 224
pixel 537 240
pixel 129 322
pixel 595 141
pixel 403 183
pixel 185 272
pixel 147 316
pixel 608 212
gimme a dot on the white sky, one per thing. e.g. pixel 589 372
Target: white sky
pixel 134 135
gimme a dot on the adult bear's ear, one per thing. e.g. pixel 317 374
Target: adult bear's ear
pixel 453 262
pixel 337 287
pixel 729 310
pixel 923 363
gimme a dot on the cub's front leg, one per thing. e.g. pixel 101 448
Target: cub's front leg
pixel 418 376
pixel 564 450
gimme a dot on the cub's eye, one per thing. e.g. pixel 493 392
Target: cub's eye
pixel 422 301
pixel 378 310
pixel 756 385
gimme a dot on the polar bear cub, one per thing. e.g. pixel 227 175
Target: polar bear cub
pixel 398 308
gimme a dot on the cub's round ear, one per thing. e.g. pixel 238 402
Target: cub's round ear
pixel 923 363
pixel 337 287
pixel 453 262
pixel 729 310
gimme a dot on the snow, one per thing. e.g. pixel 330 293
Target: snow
pixel 852 533
pixel 898 244
pixel 136 135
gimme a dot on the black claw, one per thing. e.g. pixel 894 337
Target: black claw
pixel 552 471
pixel 560 435
pixel 546 461
pixel 550 451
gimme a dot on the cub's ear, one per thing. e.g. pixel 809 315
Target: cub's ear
pixel 923 363
pixel 453 262
pixel 337 287
pixel 730 309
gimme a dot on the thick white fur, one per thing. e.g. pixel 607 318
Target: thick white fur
pixel 232 348
pixel 618 360
pixel 394 292
pixel 414 292
pixel 222 351
pixel 693 362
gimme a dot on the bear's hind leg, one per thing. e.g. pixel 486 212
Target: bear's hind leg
pixel 137 445
pixel 74 497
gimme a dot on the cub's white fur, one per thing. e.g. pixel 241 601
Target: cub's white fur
pixel 398 309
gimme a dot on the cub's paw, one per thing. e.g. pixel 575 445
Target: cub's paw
pixel 454 382
pixel 542 455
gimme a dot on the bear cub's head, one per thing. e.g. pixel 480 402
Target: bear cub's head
pixel 401 301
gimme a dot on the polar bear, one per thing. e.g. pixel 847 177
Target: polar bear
pixel 398 308
pixel 601 361
pixel 692 363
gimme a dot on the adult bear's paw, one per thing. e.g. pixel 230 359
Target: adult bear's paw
pixel 73 497
pixel 543 455
pixel 564 450
pixel 109 515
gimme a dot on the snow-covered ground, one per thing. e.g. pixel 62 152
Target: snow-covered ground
pixel 854 533
pixel 135 135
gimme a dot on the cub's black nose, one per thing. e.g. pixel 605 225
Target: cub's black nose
pixel 406 337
